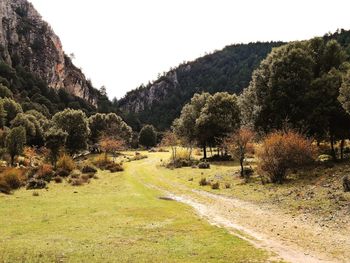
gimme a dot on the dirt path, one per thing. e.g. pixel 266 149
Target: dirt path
pixel 291 238
pixel 248 219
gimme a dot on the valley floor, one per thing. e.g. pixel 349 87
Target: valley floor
pixel 152 214
pixel 113 219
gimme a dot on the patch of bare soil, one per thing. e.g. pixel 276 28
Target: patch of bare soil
pixel 291 238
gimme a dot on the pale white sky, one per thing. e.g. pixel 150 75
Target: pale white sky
pixel 121 44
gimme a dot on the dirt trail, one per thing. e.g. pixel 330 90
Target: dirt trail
pixel 291 238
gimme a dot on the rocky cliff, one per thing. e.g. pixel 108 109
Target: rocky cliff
pixel 28 41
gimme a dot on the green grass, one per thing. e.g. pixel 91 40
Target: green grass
pixel 315 190
pixel 113 219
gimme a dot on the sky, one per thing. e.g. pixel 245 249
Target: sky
pixel 123 43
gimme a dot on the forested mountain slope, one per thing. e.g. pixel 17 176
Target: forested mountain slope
pixel 160 102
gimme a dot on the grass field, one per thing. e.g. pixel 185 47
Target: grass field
pixel 116 218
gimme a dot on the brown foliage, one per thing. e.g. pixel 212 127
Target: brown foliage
pixel 283 150
pixel 65 162
pixel 239 144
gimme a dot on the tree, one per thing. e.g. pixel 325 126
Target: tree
pixel 109 125
pixel 148 136
pixel 55 140
pixel 75 123
pixel 219 117
pixel 5 92
pixel 284 150
pixel 185 125
pixel 110 145
pixel 2 116
pixel 239 143
pixel 171 140
pixel 11 108
pixel 15 142
pixel 30 153
pixel 344 92
pixel 299 84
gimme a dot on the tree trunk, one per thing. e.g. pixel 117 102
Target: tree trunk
pixel 342 144
pixel 204 152
pixel 241 160
pixel 12 160
pixel 332 149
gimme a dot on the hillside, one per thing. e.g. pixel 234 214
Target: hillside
pixel 160 102
pixel 27 43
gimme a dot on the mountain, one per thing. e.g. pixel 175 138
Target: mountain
pixel 28 42
pixel 160 102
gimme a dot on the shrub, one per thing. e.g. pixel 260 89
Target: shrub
pixel 36 184
pixel 284 150
pixel 346 183
pixel 12 180
pixel 75 174
pixel 65 162
pixel 203 182
pixel 227 185
pixel 4 188
pixel 89 169
pixel 58 179
pixel 76 182
pixel 215 186
pixel 114 167
pixel 100 161
pixel 62 173
pixel 45 172
pixel 203 165
pixel 35 193
pixel 247 172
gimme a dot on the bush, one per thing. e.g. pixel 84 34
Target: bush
pixel 12 180
pixel 65 162
pixel 248 172
pixel 62 173
pixel 227 185
pixel 4 188
pixel 203 165
pixel 87 169
pixel 114 167
pixel 100 161
pixel 203 182
pixel 215 186
pixel 45 172
pixel 346 183
pixel 284 150
pixel 76 182
pixel 75 174
pixel 58 179
pixel 36 184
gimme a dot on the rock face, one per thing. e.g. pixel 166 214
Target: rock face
pixel 154 93
pixel 28 41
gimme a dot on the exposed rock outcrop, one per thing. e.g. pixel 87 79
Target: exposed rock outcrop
pixel 27 40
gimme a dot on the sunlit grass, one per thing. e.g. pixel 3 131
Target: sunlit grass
pixel 113 219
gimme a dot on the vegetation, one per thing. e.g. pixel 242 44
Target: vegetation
pixel 207 119
pixel 15 142
pixel 239 144
pixel 284 150
pixel 227 70
pixel 75 124
pixel 148 136
pixel 141 228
